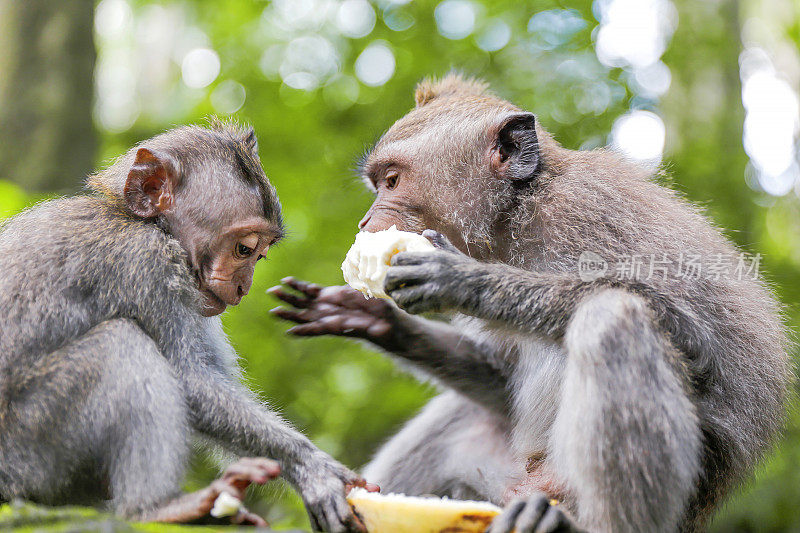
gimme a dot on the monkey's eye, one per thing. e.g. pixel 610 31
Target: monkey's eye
pixel 391 180
pixel 503 152
pixel 243 251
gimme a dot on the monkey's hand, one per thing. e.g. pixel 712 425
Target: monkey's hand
pixel 533 514
pixel 323 484
pixel 336 311
pixel 442 280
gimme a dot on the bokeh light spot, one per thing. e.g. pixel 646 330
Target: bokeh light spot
pixel 228 97
pixel 555 27
pixel 771 123
pixel 652 81
pixel 355 18
pixel 398 19
pixel 494 37
pixel 307 61
pixel 200 67
pixel 455 18
pixel 633 32
pixel 112 18
pixel 640 135
pixel 375 65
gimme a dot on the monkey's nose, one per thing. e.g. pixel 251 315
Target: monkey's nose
pixel 243 287
pixel 364 221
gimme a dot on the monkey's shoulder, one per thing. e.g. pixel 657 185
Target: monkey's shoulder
pixel 89 240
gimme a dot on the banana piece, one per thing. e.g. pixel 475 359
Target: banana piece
pixel 397 513
pixel 365 266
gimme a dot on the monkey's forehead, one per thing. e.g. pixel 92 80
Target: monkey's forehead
pixel 455 113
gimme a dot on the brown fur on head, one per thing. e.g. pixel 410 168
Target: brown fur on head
pixel 206 188
pixel 461 159
pixel 453 84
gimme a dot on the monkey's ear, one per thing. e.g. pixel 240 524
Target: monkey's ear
pixel 251 141
pixel 515 154
pixel 151 181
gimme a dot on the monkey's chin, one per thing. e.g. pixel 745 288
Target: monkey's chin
pixel 211 305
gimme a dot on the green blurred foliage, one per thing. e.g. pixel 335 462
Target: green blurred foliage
pixel 346 397
pixel 24 517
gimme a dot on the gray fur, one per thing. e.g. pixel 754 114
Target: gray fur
pixel 639 404
pixel 671 389
pixel 106 365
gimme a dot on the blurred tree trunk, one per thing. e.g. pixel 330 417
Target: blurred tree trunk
pixel 46 89
pixel 704 109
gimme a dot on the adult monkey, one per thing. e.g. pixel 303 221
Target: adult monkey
pixel 638 403
pixel 111 354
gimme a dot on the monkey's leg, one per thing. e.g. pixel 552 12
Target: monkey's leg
pixel 138 414
pixel 102 416
pixel 137 409
pixel 626 438
pixel 235 480
pixel 453 448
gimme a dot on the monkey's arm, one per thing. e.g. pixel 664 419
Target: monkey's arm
pixel 227 412
pixel 475 368
pixel 539 302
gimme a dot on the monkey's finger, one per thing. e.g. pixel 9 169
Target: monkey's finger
pixel 412 258
pixel 246 518
pixel 504 523
pixel 241 475
pixel 554 521
pixel 528 519
pixel 268 467
pixel 315 523
pixel 347 517
pixel 403 276
pixel 361 483
pixel 301 316
pixel 312 329
pixel 440 241
pixel 326 518
pixel 415 300
pixel 289 298
pixel 341 325
pixel 309 289
pixel 377 330
pixel 340 516
pixel 291 315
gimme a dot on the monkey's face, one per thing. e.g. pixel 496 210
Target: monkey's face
pixel 224 266
pixel 224 236
pixel 454 165
pixel 224 222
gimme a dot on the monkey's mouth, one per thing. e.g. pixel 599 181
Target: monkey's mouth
pixel 211 304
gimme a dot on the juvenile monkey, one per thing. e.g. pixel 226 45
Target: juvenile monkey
pixel 637 401
pixel 112 354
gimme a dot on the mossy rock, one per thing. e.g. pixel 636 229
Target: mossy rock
pixel 24 517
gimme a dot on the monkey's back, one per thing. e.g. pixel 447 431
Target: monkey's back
pixel 68 264
pixel 729 327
